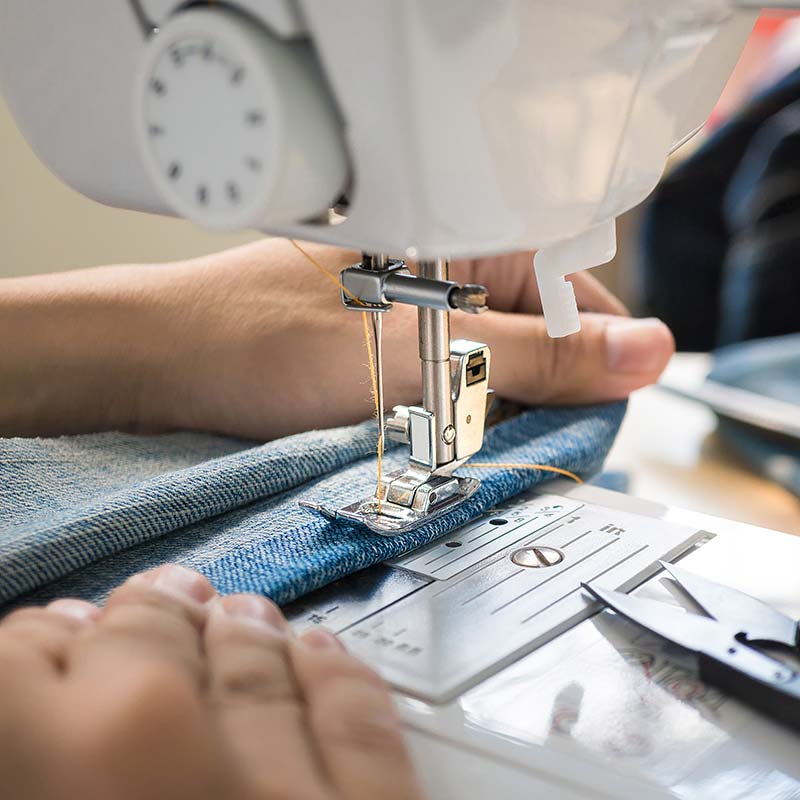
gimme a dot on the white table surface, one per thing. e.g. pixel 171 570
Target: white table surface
pixel 669 449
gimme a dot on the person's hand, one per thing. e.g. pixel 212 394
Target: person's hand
pixel 264 348
pixel 172 693
pixel 254 342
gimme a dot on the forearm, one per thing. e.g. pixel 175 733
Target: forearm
pixel 156 347
pixel 77 350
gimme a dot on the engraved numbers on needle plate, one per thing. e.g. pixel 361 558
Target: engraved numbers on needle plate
pixel 445 616
pixel 485 602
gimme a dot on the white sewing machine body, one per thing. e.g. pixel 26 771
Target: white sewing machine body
pixel 467 128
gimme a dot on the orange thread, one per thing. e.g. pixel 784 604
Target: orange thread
pixel 543 467
pixel 326 272
pixel 373 372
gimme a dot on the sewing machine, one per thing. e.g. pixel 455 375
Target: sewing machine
pixel 411 130
pixel 427 131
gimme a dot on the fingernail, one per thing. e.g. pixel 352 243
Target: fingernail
pixel 252 608
pixel 79 609
pixel 320 639
pixel 178 580
pixel 636 346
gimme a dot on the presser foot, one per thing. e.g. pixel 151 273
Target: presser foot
pixel 407 502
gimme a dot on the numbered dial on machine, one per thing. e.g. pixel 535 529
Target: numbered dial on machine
pixel 236 127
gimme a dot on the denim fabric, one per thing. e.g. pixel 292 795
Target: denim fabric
pixel 229 509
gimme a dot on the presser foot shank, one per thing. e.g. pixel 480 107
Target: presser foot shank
pixel 446 430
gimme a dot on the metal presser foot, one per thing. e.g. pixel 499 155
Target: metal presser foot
pixel 447 429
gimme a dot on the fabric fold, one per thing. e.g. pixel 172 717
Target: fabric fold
pixel 270 545
pixel 135 493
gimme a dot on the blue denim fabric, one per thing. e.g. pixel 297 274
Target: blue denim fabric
pixel 80 514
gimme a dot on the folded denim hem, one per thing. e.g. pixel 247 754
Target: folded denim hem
pixel 31 555
pixel 274 547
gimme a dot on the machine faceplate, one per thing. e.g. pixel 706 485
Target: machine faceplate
pixel 444 617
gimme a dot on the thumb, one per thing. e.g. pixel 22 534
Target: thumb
pixel 608 359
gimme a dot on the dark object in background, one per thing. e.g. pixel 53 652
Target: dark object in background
pixel 767 368
pixel 772 456
pixel 721 235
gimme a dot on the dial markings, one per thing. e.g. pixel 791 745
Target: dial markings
pixel 187 72
pixel 234 195
pixel 255 118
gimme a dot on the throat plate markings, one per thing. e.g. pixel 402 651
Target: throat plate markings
pixel 479 540
pixel 441 619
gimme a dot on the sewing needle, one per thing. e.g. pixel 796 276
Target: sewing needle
pixel 377 331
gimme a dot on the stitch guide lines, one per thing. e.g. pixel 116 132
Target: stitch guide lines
pixel 439 619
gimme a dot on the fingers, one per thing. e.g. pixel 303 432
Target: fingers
pixel 135 679
pixel 46 634
pixel 170 670
pixel 353 722
pixel 152 623
pixel 591 295
pixel 512 286
pixel 134 713
pixel 608 359
pixel 255 695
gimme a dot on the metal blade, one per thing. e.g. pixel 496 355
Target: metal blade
pixel 757 620
pixel 689 631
